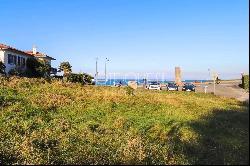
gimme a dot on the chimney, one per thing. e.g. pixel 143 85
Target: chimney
pixel 34 49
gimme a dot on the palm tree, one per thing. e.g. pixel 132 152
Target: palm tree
pixel 66 68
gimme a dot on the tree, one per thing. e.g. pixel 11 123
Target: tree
pixel 82 78
pixel 66 68
pixel 2 68
pixel 87 78
pixel 44 69
pixel 36 68
pixel 32 67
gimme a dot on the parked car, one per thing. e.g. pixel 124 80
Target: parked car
pixel 119 84
pixel 164 86
pixel 154 86
pixel 188 87
pixel 172 87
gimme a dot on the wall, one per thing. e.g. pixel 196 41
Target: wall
pixel 4 56
pixel 46 60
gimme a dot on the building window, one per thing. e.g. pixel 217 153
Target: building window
pixel 23 62
pixel 11 59
pixel 14 59
pixel 19 61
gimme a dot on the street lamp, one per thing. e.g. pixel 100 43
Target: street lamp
pixel 107 60
pixel 209 75
pixel 214 76
pixel 96 71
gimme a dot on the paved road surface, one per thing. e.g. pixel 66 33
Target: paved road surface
pixel 228 89
pixel 231 90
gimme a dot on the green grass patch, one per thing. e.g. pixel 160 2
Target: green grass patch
pixel 63 123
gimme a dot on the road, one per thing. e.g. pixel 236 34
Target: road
pixel 228 89
pixel 231 90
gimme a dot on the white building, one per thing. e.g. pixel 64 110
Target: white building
pixel 14 58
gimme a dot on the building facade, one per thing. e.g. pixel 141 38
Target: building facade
pixel 16 59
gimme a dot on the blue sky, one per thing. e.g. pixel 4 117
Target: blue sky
pixel 138 36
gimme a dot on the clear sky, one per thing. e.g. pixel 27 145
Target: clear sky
pixel 140 36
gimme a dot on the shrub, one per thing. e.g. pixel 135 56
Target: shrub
pixel 79 78
pixel 14 72
pixel 129 90
pixel 36 68
pixel 75 78
pixel 2 68
pixel 87 78
pixel 245 82
pixel 44 69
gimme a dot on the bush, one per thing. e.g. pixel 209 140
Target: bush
pixel 79 78
pixel 37 69
pixel 14 72
pixel 245 82
pixel 2 68
pixel 56 77
pixel 129 90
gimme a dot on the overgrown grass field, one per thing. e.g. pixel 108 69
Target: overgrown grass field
pixel 61 123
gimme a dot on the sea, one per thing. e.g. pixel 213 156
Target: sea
pixel 111 82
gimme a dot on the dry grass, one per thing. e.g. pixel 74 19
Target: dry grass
pixel 57 123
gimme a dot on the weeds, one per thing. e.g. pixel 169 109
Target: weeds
pixel 130 91
pixel 53 122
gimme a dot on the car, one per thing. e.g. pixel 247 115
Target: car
pixel 119 84
pixel 164 87
pixel 154 86
pixel 172 87
pixel 188 87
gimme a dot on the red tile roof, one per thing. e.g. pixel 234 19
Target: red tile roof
pixel 29 53
pixel 3 46
pixel 39 54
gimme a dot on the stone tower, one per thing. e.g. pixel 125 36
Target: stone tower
pixel 178 75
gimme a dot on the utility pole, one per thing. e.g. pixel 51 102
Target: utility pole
pixel 96 71
pixel 106 69
pixel 214 85
pixel 209 75
pixel 214 75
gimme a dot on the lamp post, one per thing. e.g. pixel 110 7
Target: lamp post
pixel 107 60
pixel 209 75
pixel 214 75
pixel 96 71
